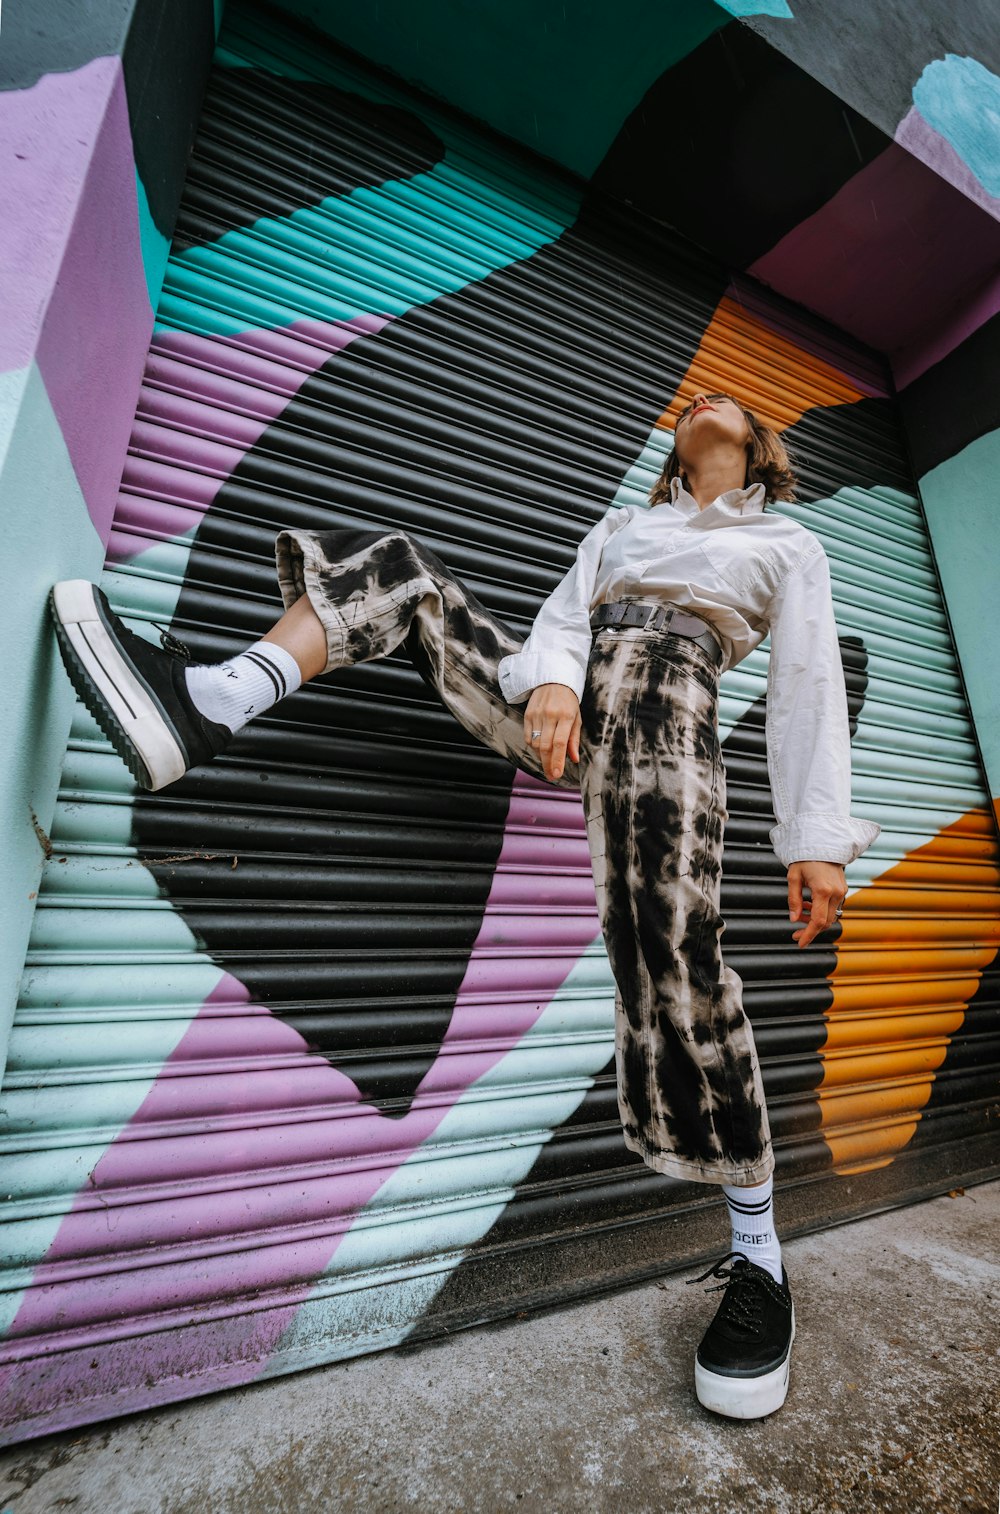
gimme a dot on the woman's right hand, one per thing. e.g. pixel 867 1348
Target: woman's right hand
pixel 554 710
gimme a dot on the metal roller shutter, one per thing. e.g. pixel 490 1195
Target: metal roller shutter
pixel 314 1050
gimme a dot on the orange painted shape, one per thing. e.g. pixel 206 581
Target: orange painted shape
pixel 910 958
pixel 883 995
pixel 856 1066
pixel 743 354
pixel 956 935
pixel 900 963
pixel 904 1026
pixel 866 1150
pixel 880 1103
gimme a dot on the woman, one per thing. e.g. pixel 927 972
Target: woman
pixel 620 673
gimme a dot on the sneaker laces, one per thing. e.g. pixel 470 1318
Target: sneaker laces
pixel 172 643
pixel 742 1303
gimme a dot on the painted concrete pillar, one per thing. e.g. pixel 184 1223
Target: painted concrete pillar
pixel 98 110
pixel 951 411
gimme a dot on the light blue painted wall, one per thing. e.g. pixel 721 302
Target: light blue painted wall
pixel 962 503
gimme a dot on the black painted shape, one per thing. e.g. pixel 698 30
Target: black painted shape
pixel 166 61
pixel 493 420
pixel 965 1094
pixel 308 140
pixel 777 145
pixel 855 446
pixel 955 402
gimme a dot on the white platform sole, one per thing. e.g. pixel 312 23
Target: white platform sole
pixel 117 698
pixel 744 1397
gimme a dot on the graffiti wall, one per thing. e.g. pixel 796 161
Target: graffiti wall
pixel 848 160
pixel 314 1050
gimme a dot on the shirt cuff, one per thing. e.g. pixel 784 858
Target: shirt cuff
pixel 819 837
pixel 520 672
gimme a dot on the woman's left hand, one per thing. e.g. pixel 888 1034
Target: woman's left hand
pixel 827 889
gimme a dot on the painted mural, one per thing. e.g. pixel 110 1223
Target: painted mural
pixel 845 156
pixel 232 1149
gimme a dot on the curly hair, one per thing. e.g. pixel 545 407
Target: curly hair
pixel 768 462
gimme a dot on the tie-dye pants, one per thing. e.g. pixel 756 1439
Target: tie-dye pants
pixel 653 786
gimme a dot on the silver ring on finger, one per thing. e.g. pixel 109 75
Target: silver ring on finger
pixel 535 735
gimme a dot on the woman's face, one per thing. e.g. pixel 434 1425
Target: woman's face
pixel 709 419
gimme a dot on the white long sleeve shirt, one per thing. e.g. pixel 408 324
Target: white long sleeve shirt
pixel 747 572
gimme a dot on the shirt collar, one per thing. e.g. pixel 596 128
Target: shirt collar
pixel 733 502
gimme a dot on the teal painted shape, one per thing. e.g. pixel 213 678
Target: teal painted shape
pixel 743 8
pixel 560 78
pixel 50 535
pixel 960 503
pixel 960 98
pixel 642 475
pixel 155 247
pixel 322 263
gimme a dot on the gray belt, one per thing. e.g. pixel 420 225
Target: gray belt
pixel 659 616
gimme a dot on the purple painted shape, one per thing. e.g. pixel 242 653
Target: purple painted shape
pixel 95 1382
pixel 70 249
pixel 205 401
pixel 48 133
pixel 281 1153
pixel 889 256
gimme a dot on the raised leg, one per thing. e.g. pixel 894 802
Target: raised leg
pixel 350 596
pixel 373 591
pixel 300 631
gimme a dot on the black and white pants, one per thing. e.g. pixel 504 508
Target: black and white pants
pixel 654 792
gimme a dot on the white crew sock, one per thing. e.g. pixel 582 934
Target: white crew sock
pixel 751 1212
pixel 235 691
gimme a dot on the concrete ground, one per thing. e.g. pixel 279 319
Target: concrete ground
pixel 894 1406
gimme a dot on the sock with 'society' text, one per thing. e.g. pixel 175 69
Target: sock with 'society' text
pixel 751 1213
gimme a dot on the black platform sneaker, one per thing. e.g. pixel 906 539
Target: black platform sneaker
pixel 135 691
pixel 741 1366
